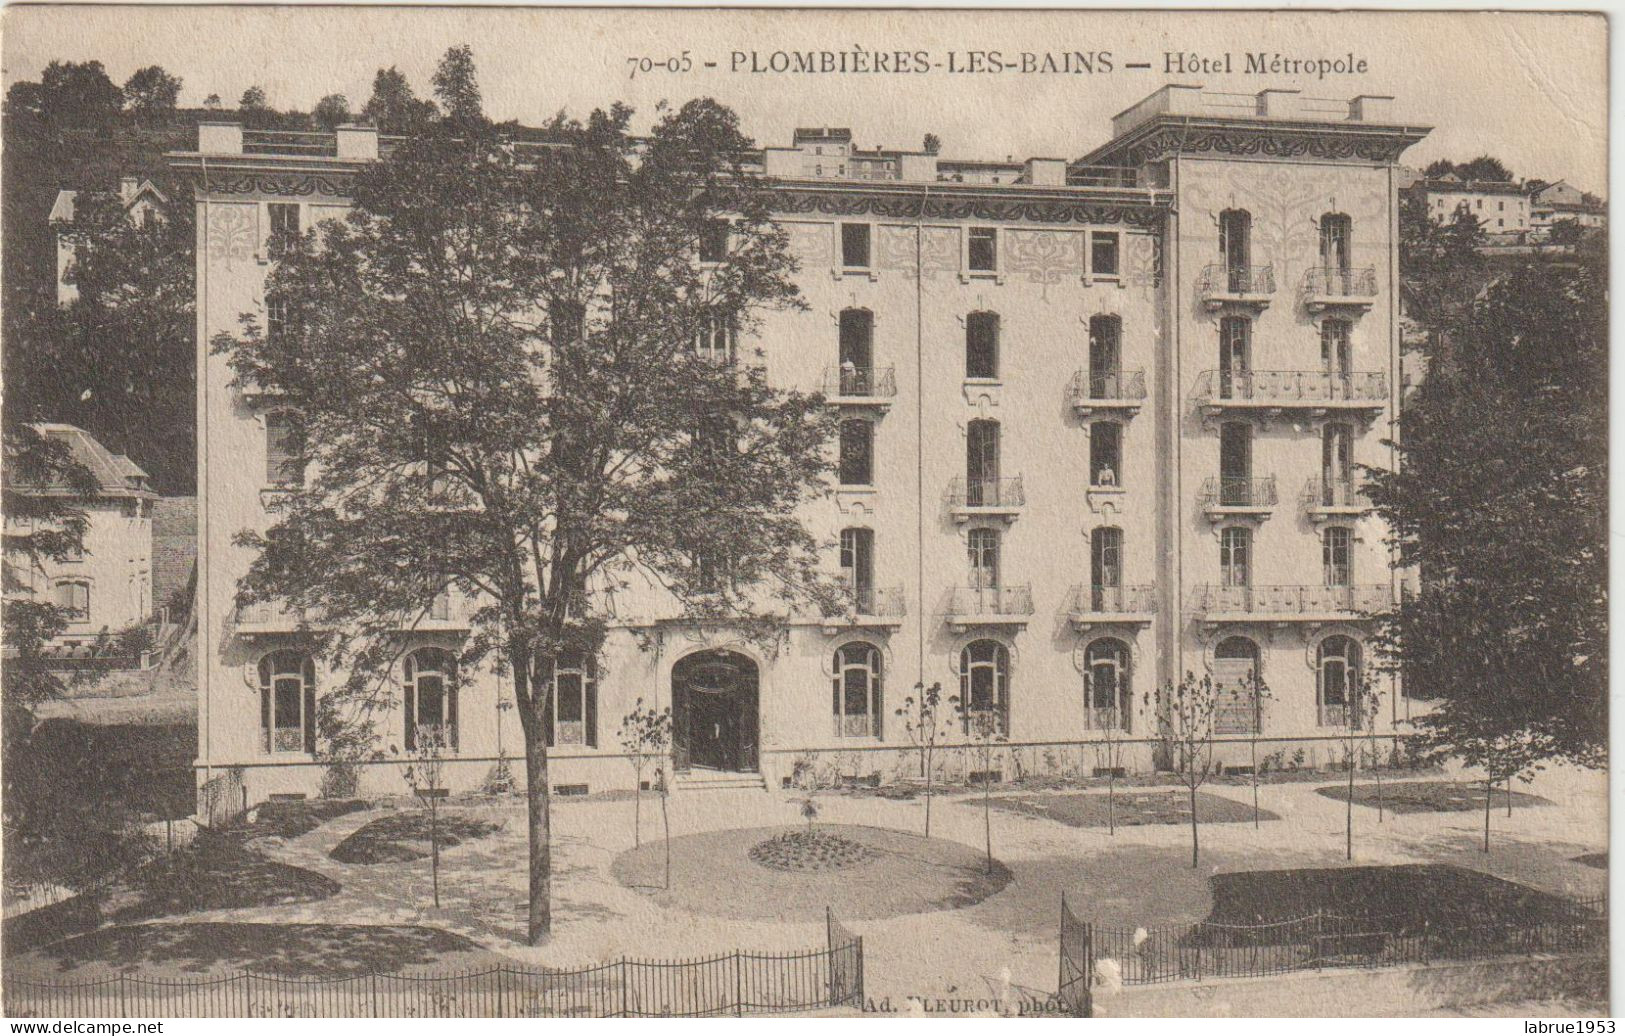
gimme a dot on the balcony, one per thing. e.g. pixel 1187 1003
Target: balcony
pixel 867 607
pixel 1121 391
pixel 1325 499
pixel 989 606
pixel 860 386
pixel 1332 287
pixel 264 618
pixel 1000 498
pixel 1250 286
pixel 1270 393
pixel 1090 606
pixel 1214 605
pixel 446 614
pixel 1226 497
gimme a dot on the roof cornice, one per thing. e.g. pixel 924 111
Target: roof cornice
pixel 1167 135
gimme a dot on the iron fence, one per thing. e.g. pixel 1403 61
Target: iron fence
pixel 1075 986
pixel 736 983
pixel 1326 940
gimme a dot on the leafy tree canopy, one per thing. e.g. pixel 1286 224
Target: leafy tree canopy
pixel 332 110
pixel 393 108
pixel 150 94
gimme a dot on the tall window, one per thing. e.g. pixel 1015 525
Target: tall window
pixel 1235 248
pixel 857 352
pixel 1235 347
pixel 288 702
pixel 1337 670
pixel 1103 253
pixel 567 321
pixel 277 317
pixel 714 241
pixel 284 226
pixel 1336 551
pixel 1336 466
pixel 1335 232
pixel 1235 464
pixel 1334 347
pixel 982 552
pixel 718 338
pixel 1106 672
pixel 1105 357
pixel 1235 555
pixel 982 249
pixel 283 465
pixel 431 696
pixel 984 681
pixel 858 567
pixel 982 345
pixel 855 246
pixel 72 598
pixel 982 463
pixel 1105 454
pixel 1236 673
pixel 1106 569
pixel 857 452
pixel 855 691
pixel 575 703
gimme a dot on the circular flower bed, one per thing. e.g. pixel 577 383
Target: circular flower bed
pixel 810 851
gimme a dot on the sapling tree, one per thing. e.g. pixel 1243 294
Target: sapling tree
pixel 663 788
pixel 1185 713
pixel 1359 716
pixel 423 773
pixel 925 718
pixel 1109 747
pixel 985 728
pixel 1257 692
pixel 646 738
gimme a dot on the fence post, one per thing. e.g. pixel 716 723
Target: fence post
pixel 625 1011
pixel 1060 962
pixel 123 1011
pixel 499 991
pixel 372 986
pixel 739 984
pixel 860 1000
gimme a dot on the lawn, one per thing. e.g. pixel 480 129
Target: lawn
pixel 1430 796
pixel 404 837
pixel 1130 809
pixel 299 817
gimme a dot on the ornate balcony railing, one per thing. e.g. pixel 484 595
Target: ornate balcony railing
pixel 874 601
pixel 1099 389
pixel 987 492
pixel 991 601
pixel 268 617
pixel 1339 494
pixel 1221 388
pixel 860 382
pixel 1088 599
pixel 1106 719
pixel 1291 601
pixel 1242 493
pixel 290 142
pixel 1220 282
pixel 1335 282
pixel 1338 716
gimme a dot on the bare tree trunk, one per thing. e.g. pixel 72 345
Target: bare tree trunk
pixel 1489 792
pixel 1111 796
pixel 1376 770
pixel 987 810
pixel 1348 821
pixel 665 825
pixel 1194 843
pixel 540 921
pixel 925 764
pixel 1509 796
pixel 1254 745
pixel 434 848
pixel 637 810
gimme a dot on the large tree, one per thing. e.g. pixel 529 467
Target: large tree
pixel 393 108
pixel 1500 505
pixel 150 94
pixel 493 359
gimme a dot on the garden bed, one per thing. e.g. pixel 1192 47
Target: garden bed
pixel 404 837
pixel 292 819
pixel 1127 809
pixel 1430 796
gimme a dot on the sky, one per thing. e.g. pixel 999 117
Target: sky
pixel 1529 88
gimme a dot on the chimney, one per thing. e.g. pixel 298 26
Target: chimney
pixel 1371 108
pixel 1275 103
pixel 1044 172
pixel 357 142
pixel 220 138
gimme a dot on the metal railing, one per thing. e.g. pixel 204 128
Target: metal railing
pixel 1223 279
pixel 736 983
pixel 290 142
pixel 1104 718
pixel 1284 388
pixel 879 602
pixel 1107 386
pixel 1334 492
pixel 1075 990
pixel 1115 176
pixel 861 725
pixel 863 382
pixel 1292 600
pixel 987 492
pixel 269 613
pixel 991 600
pixel 1128 600
pixel 1227 491
pixel 1340 282
pixel 1337 716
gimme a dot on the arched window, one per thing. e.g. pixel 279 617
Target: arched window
pixel 72 598
pixel 1236 675
pixel 1337 673
pixel 575 703
pixel 982 345
pixel 1110 698
pixel 855 690
pixel 288 702
pixel 431 696
pixel 984 682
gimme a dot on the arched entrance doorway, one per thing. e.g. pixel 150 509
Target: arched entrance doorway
pixel 713 708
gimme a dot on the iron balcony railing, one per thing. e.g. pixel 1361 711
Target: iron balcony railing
pixel 1107 386
pixel 1334 492
pixel 1115 176
pixel 878 602
pixel 1289 388
pixel 862 382
pixel 1340 282
pixel 987 492
pixel 991 600
pixel 1090 599
pixel 290 142
pixel 862 725
pixel 1107 718
pixel 1338 716
pixel 1364 599
pixel 1223 279
pixel 269 613
pixel 1226 491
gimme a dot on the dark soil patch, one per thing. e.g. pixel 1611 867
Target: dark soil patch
pixel 216 872
pixel 1404 899
pixel 403 837
pixel 810 851
pixel 292 819
pixel 1128 809
pixel 313 950
pixel 1597 860
pixel 1431 796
